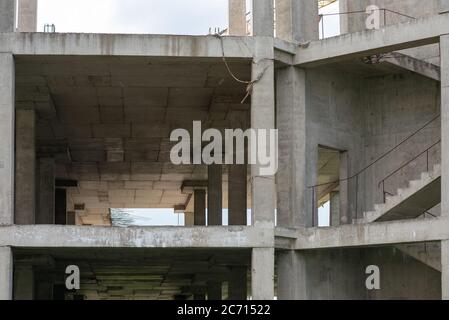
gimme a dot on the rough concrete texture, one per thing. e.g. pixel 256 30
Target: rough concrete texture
pixel 7 15
pixel 27 16
pixel 105 105
pixel 237 18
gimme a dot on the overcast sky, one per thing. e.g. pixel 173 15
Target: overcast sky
pixel 144 16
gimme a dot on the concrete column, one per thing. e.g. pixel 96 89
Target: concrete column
pixel 189 219
pixel 263 117
pixel 6 273
pixel 335 209
pixel 291 123
pixel 199 203
pixel 7 75
pixel 237 284
pixel 214 290
pixel 345 217
pixel 27 16
pixel 24 283
pixel 25 167
pixel 291 282
pixel 215 195
pixel 262 274
pixel 7 15
pixel 46 212
pixel 263 18
pixel 445 270
pixel 237 17
pixel 444 48
pixel 297 20
pixel 237 195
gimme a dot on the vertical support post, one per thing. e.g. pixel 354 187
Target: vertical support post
pixel 335 209
pixel 199 203
pixel 237 289
pixel 237 17
pixel 6 273
pixel 215 195
pixel 263 18
pixel 262 273
pixel 27 16
pixel 25 167
pixel 445 270
pixel 444 48
pixel 291 276
pixel 46 212
pixel 7 115
pixel 344 194
pixel 7 15
pixel 291 123
pixel 237 195
pixel 214 290
pixel 24 283
pixel 297 20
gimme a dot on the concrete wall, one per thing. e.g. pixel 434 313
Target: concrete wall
pixel 394 107
pixel 333 120
pixel 7 15
pixel 340 274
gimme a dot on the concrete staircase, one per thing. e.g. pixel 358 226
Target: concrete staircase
pixel 427 253
pixel 409 203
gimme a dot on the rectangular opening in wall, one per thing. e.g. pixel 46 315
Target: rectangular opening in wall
pixel 146 218
pixel 328 190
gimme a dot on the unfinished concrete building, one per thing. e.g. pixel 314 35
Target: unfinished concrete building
pixel 363 120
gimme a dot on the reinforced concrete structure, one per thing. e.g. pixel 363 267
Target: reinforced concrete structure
pixel 363 120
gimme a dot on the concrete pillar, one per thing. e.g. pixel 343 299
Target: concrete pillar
pixel 444 48
pixel 7 76
pixel 237 195
pixel 189 219
pixel 25 167
pixel 297 20
pixel 27 16
pixel 46 212
pixel 335 209
pixel 6 273
pixel 345 216
pixel 263 18
pixel 199 203
pixel 215 196
pixel 291 281
pixel 262 274
pixel 291 123
pixel 7 15
pixel 445 270
pixel 24 283
pixel 214 290
pixel 237 284
pixel 237 17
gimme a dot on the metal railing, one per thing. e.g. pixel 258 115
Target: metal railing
pixel 384 10
pixel 356 176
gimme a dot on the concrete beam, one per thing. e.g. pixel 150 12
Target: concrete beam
pixel 7 15
pixel 417 66
pixel 157 237
pixel 27 16
pixel 237 17
pixel 6 273
pixel 374 234
pixel 396 37
pixel 25 205
pixel 126 45
pixel 7 81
